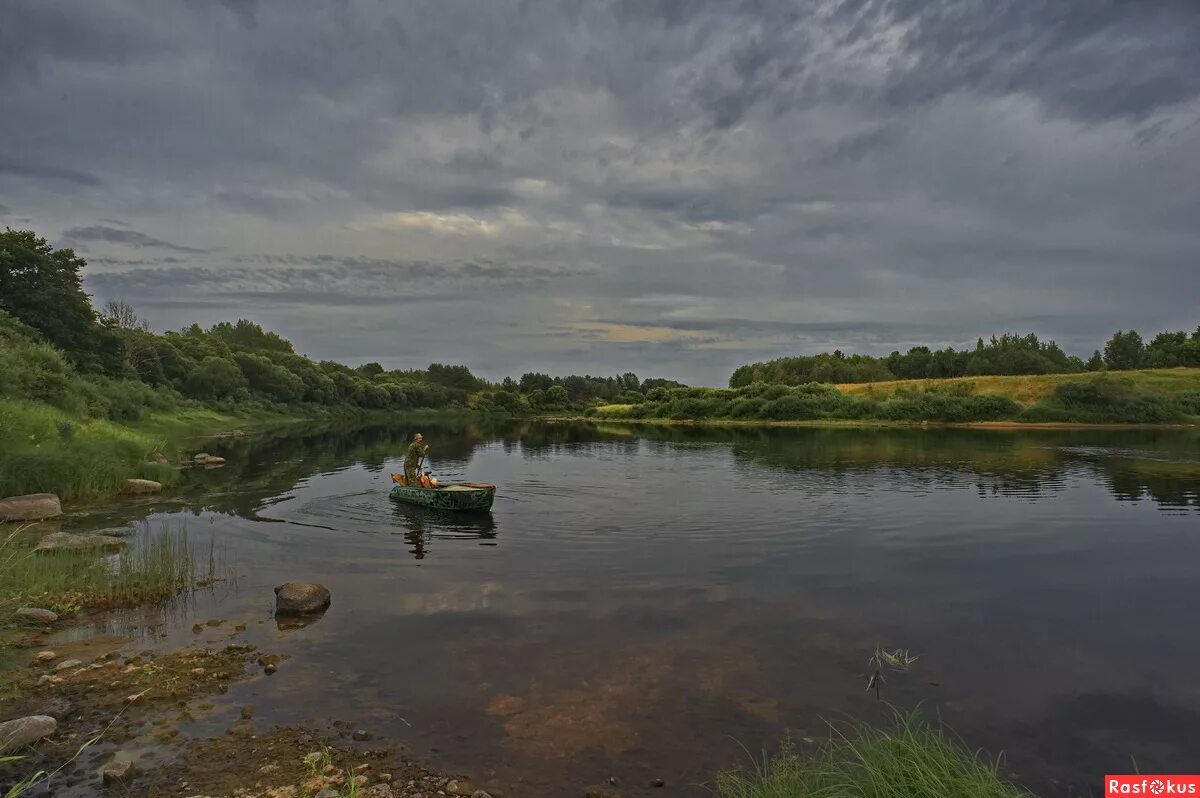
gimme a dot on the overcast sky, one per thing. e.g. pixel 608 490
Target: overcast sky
pixel 673 187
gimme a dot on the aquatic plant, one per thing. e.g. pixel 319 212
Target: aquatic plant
pixel 899 659
pixel 155 566
pixel 911 758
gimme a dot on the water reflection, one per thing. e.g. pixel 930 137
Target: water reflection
pixel 638 597
pixel 422 525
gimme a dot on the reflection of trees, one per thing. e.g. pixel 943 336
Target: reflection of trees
pixel 1024 462
pixel 1133 464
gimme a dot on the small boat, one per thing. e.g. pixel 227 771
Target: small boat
pixel 456 496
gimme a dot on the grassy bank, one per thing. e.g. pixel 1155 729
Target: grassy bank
pixel 1166 396
pixel 47 450
pixel 909 759
pixel 1028 389
pixel 44 449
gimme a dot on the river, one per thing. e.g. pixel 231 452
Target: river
pixel 652 603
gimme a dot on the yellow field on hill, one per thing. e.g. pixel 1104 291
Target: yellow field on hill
pixel 1027 389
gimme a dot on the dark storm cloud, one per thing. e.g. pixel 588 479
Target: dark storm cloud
pixel 131 238
pixel 774 176
pixel 19 168
pixel 284 280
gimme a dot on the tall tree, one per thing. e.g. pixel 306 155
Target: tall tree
pixel 41 286
pixel 1125 350
pixel 121 314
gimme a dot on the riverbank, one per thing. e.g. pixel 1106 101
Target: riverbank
pixel 87 460
pixel 718 423
pixel 1165 396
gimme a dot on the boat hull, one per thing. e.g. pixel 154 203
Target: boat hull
pixel 479 497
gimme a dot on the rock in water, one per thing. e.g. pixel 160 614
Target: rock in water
pixel 65 541
pixel 57 708
pixel 301 598
pixel 120 771
pixel 200 458
pixel 34 507
pixel 16 734
pixel 142 486
pixel 379 791
pixel 212 459
pixel 37 615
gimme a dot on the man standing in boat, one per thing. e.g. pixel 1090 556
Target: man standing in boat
pixel 416 452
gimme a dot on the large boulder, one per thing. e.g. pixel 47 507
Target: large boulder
pixel 34 507
pixel 142 486
pixel 65 541
pixel 16 734
pixel 301 598
pixel 36 615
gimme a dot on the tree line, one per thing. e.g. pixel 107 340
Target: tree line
pixel 1007 354
pixel 55 347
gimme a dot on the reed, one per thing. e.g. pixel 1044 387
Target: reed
pixel 155 566
pixel 911 758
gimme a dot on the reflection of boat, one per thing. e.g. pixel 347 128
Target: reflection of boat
pixel 424 524
pixel 458 496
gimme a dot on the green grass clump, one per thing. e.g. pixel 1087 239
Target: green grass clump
pixel 154 566
pixel 909 760
pixel 46 450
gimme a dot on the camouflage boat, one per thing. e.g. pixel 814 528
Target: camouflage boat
pixel 458 496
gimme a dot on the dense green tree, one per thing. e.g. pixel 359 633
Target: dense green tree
pixel 41 287
pixel 269 380
pixel 1125 350
pixel 245 334
pixel 459 377
pixel 534 381
pixel 214 378
pixel 370 370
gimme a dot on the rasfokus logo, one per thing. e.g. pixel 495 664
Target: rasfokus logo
pixel 1151 785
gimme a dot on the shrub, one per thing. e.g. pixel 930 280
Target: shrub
pixel 751 407
pixel 1107 399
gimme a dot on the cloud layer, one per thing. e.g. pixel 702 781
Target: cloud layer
pixel 669 186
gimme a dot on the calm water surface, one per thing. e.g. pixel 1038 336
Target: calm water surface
pixel 642 603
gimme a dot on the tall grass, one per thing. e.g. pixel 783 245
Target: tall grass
pixel 154 566
pixel 909 760
pixel 45 450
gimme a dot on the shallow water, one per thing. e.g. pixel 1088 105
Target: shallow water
pixel 643 603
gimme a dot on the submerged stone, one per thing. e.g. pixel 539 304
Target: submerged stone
pixel 32 507
pixel 301 598
pixel 65 541
pixel 142 486
pixel 37 615
pixel 16 734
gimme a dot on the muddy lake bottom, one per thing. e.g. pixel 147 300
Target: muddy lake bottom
pixel 651 603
